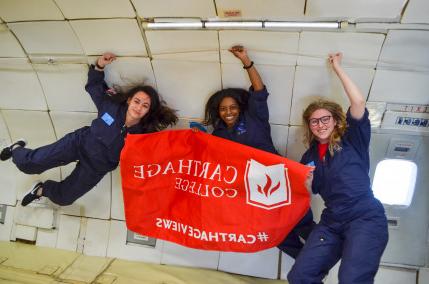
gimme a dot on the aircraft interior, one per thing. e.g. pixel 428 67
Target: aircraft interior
pixel 181 48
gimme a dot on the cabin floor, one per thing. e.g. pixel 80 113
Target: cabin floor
pixel 25 263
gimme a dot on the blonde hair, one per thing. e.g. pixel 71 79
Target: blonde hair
pixel 337 114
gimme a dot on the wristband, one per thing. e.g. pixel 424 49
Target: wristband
pixel 248 66
pixel 98 66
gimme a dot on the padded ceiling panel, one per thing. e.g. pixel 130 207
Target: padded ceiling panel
pixel 120 248
pixel 175 254
pixel 9 46
pixel 405 49
pixel 95 244
pixel 295 145
pixel 120 36
pixel 68 232
pixel 7 178
pixel 117 210
pixel 4 133
pixel 315 82
pixel 34 126
pixel 84 206
pixel 277 79
pixel 400 87
pixel 276 48
pixel 167 42
pixel 174 8
pixel 64 86
pixel 200 46
pixel 262 10
pixel 359 10
pixel 186 85
pixel 259 264
pixel 417 12
pixel 197 56
pixel 47 37
pixel 128 72
pixel 359 49
pixel 29 10
pixel 279 135
pixel 20 86
pixel 84 9
pixel 66 122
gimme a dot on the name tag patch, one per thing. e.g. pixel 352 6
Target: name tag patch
pixel 311 164
pixel 107 118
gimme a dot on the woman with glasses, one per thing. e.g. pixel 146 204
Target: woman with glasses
pixel 242 116
pixel 353 226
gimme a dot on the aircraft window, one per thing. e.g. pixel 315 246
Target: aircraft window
pixel 394 181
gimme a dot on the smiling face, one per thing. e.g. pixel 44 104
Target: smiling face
pixel 229 111
pixel 138 106
pixel 322 124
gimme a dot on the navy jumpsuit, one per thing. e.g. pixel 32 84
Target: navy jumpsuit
pixel 96 148
pixel 253 129
pixel 353 226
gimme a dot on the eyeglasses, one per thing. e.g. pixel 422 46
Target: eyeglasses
pixel 315 121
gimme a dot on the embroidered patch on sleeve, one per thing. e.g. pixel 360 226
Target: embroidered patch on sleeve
pixel 107 118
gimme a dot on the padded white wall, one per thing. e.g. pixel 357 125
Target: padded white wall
pixel 356 10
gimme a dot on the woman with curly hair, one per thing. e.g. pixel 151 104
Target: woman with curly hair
pixel 353 226
pixel 97 147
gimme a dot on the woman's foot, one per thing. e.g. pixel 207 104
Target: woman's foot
pixel 34 193
pixel 6 153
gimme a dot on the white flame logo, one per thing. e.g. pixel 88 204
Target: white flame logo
pixel 268 190
pixel 267 186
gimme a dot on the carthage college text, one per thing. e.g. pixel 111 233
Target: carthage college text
pixel 196 170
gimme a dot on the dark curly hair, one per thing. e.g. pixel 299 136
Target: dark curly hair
pixel 159 116
pixel 212 106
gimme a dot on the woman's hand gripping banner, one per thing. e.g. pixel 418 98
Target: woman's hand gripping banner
pixel 206 192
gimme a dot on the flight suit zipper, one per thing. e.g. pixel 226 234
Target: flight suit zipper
pixel 124 130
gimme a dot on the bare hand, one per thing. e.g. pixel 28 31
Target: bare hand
pixel 335 59
pixel 309 180
pixel 195 129
pixel 240 52
pixel 106 59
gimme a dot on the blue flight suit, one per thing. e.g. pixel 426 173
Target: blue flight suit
pixel 97 148
pixel 253 129
pixel 353 226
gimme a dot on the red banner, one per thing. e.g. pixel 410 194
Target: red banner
pixel 206 192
